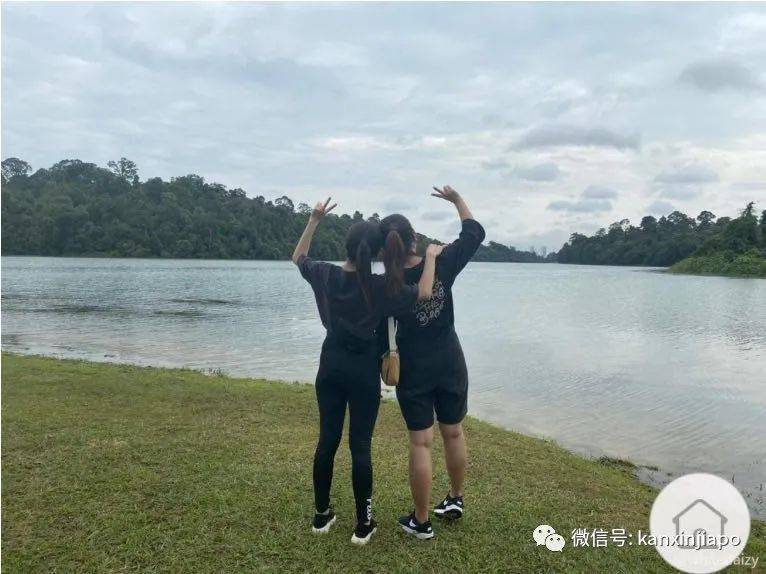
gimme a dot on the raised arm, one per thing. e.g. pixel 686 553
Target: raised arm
pixel 458 253
pixel 426 283
pixel 304 243
pixel 449 194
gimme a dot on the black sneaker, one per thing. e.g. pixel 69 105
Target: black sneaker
pixel 420 531
pixel 363 532
pixel 322 522
pixel 450 508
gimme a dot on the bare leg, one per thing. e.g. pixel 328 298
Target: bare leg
pixel 420 471
pixel 455 455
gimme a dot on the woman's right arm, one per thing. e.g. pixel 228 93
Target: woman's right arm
pixel 304 243
pixel 426 283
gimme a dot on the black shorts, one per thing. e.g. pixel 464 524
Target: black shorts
pixel 433 377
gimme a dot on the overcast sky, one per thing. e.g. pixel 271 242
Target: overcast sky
pixel 549 119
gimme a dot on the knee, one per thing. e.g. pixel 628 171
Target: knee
pixel 327 445
pixel 451 432
pixel 422 439
pixel 360 450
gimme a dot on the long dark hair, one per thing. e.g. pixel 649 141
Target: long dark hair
pixel 399 239
pixel 363 241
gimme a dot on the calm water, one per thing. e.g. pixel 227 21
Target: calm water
pixel 662 370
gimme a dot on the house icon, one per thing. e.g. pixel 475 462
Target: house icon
pixel 699 519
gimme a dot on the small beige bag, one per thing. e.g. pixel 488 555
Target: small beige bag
pixel 389 369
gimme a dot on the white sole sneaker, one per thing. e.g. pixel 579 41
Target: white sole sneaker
pixel 416 534
pixel 362 541
pixel 451 512
pixel 326 528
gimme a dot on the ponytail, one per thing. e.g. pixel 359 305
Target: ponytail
pixel 399 239
pixel 394 257
pixel 363 263
pixel 363 241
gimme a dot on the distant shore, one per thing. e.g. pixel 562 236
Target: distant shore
pixel 722 264
pixel 110 467
pixel 714 266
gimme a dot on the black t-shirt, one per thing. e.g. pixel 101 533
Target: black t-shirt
pixel 427 320
pixel 342 306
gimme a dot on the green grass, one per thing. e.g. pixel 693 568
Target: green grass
pixel 113 468
pixel 750 264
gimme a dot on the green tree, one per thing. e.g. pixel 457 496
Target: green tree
pixel 124 169
pixel 284 202
pixel 14 167
pixel 664 242
pixel 705 219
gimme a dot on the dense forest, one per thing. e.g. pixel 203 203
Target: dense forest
pixel 79 208
pixel 670 239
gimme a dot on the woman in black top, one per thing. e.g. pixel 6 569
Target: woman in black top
pixel 433 370
pixel 351 302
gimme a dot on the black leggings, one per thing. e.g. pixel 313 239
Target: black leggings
pixel 344 378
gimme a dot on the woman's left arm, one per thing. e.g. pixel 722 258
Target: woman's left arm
pixel 458 253
pixel 449 194
pixel 304 243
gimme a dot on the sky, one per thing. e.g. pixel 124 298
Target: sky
pixel 548 118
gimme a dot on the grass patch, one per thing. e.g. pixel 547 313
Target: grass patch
pixel 111 468
pixel 750 264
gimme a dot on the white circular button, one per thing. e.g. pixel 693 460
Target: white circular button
pixel 699 523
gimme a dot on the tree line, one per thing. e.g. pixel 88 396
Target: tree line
pixel 670 239
pixel 75 208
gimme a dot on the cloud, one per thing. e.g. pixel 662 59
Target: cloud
pixel 568 135
pixel 693 173
pixel 660 208
pixel 681 192
pixel 593 199
pixel 749 186
pixel 541 172
pixel 685 182
pixel 437 215
pixel 581 205
pixel 311 101
pixel 719 75
pixel 599 192
pixel 495 164
pixel 395 204
pixel 452 230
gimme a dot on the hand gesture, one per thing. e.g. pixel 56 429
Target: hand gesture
pixel 434 250
pixel 321 209
pixel 446 193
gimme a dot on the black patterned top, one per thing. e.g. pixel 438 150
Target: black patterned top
pixel 428 319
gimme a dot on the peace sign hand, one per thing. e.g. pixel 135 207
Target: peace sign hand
pixel 321 209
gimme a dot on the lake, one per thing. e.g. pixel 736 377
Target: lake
pixel 666 371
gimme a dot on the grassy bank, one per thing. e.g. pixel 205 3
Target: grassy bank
pixel 117 468
pixel 749 264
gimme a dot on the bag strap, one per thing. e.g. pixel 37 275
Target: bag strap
pixel 391 334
